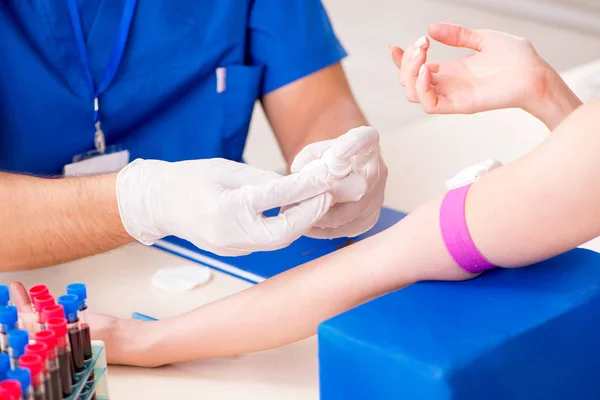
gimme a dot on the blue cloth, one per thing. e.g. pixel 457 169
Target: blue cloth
pixel 163 102
pixel 519 334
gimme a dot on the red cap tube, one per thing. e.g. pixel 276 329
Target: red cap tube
pixel 35 365
pixel 43 300
pixel 11 389
pixel 39 349
pixel 49 339
pixel 37 290
pixel 54 311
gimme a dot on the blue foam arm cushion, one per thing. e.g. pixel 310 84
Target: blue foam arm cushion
pixel 528 333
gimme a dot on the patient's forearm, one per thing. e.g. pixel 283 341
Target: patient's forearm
pixel 280 310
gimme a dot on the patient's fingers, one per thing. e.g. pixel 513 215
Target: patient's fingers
pixel 396 53
pixel 412 52
pixel 21 297
pixel 22 301
pixel 418 58
pixel 434 68
pixel 457 36
pixel 432 102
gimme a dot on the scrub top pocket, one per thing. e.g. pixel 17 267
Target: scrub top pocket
pixel 179 114
pixel 240 90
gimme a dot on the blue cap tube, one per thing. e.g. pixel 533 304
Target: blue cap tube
pixel 23 376
pixel 4 365
pixel 17 340
pixel 70 303
pixel 9 316
pixel 8 321
pixel 79 290
pixel 4 295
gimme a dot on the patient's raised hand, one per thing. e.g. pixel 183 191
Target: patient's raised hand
pixel 505 71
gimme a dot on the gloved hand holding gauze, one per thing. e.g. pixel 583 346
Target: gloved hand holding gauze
pixel 218 204
pixel 357 174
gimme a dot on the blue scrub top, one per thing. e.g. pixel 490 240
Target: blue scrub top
pixel 163 103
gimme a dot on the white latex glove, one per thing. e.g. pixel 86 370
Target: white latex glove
pixel 358 197
pixel 217 204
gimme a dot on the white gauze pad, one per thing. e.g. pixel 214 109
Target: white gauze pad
pixel 181 278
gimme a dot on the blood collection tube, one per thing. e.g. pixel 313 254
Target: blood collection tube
pixel 8 321
pixel 39 303
pixel 63 350
pixel 11 388
pixel 40 349
pixel 4 365
pixel 4 296
pixel 36 290
pixel 49 339
pixel 35 365
pixel 24 377
pixel 17 340
pixel 55 311
pixel 80 291
pixel 71 305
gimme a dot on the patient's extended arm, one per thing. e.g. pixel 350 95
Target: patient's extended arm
pixel 530 210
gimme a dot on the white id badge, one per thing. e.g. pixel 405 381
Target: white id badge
pixel 110 161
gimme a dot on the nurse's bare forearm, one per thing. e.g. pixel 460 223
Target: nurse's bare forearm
pixel 50 221
pixel 317 107
pixel 332 121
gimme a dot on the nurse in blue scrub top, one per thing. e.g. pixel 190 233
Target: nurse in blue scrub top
pixel 126 120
